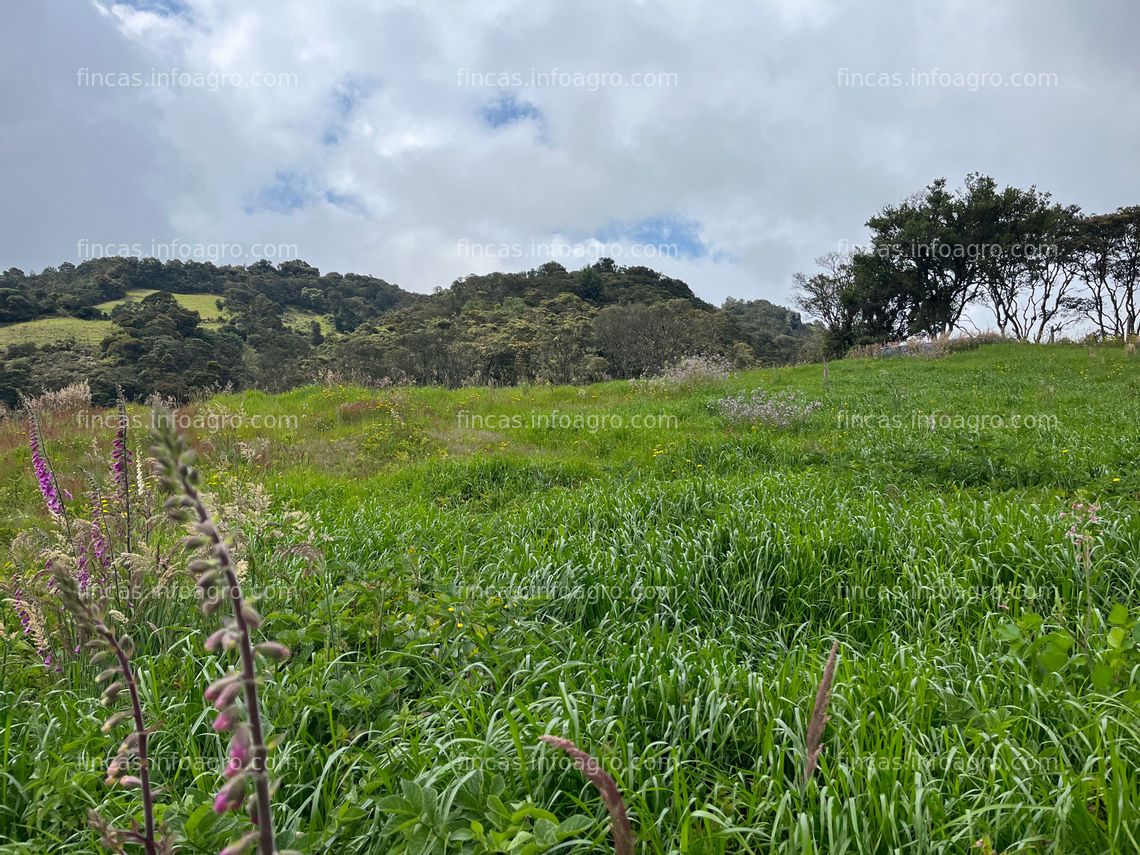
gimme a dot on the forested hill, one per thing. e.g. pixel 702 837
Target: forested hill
pixel 179 328
pixel 80 290
pixel 348 300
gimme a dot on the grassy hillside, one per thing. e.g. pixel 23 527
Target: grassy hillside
pixel 205 305
pixel 46 330
pixel 300 320
pixel 458 572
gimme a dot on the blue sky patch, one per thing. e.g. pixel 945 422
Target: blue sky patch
pixel 346 97
pixel 168 8
pixel 673 235
pixel 286 193
pixel 508 110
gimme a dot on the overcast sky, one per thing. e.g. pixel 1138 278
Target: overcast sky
pixel 726 144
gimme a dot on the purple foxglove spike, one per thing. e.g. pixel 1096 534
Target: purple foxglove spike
pixel 226 720
pixel 99 544
pixel 44 475
pixel 83 573
pixel 231 796
pixel 215 688
pixel 227 695
pixel 240 846
pixel 240 744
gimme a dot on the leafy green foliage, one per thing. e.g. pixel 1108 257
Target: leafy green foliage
pixel 472 819
pixel 1037 265
pixel 1100 660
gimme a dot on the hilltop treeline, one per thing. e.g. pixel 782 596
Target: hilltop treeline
pixel 77 290
pixel 1040 267
pixel 288 324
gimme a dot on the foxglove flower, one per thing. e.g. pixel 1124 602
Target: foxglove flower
pixel 99 545
pixel 121 458
pixel 121 454
pixel 231 796
pixel 44 475
pixel 239 752
pixel 235 694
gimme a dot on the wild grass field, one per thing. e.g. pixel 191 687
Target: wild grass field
pixel 459 572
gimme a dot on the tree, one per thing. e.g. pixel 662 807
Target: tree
pixel 771 334
pixel 1108 256
pixel 638 339
pixel 159 346
pixel 878 304
pixel 927 250
pixel 316 336
pixel 820 295
pixel 1030 264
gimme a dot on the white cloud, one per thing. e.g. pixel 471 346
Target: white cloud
pixel 754 139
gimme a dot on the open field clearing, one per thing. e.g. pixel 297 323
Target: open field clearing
pixel 300 320
pixel 656 572
pixel 47 330
pixel 205 305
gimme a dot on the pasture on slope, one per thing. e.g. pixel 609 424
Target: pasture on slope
pixel 453 587
pixel 47 330
pixel 205 305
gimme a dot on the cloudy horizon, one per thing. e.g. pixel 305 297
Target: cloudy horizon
pixel 423 143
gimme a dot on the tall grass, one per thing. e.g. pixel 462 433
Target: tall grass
pixel 666 598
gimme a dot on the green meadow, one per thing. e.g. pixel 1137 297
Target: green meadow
pixel 48 330
pixel 205 305
pixel 458 572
